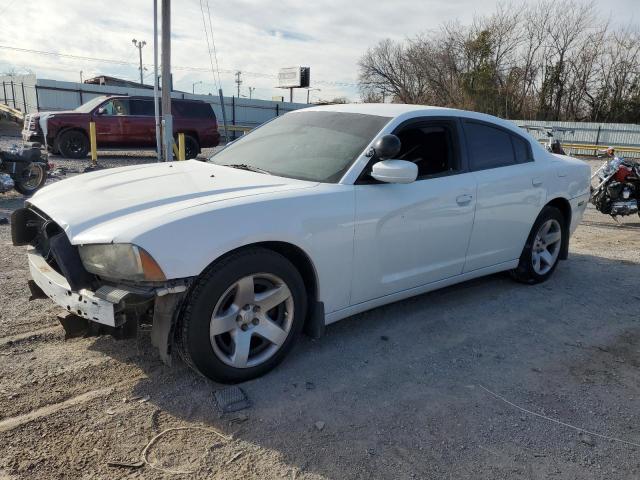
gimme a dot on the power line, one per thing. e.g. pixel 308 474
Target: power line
pixel 122 62
pixel 213 43
pixel 174 67
pixel 206 34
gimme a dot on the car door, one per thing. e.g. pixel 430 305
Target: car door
pixel 140 126
pixel 510 193
pixel 109 119
pixel 408 235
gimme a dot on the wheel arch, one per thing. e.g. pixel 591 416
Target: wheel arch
pixel 564 206
pixel 67 128
pixel 301 260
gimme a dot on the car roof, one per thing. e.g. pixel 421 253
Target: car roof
pixel 380 109
pixel 403 111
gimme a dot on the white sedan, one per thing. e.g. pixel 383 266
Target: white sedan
pixel 315 216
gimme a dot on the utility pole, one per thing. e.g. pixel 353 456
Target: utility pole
pixel 251 89
pixel 156 87
pixel 167 119
pixel 80 76
pixel 193 86
pixel 238 81
pixel 139 46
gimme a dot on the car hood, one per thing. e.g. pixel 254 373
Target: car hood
pixel 99 206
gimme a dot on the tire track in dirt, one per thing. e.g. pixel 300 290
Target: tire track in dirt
pixel 31 335
pixel 41 378
pixel 13 422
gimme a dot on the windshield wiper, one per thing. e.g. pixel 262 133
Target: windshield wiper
pixel 244 166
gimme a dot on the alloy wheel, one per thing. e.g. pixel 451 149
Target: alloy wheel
pixel 251 320
pixel 546 246
pixel 33 177
pixel 75 144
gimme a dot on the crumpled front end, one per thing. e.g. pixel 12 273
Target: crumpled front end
pixel 59 274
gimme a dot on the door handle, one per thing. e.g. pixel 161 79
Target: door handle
pixel 464 199
pixel 536 182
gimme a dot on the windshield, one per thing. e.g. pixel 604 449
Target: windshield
pixel 90 105
pixel 316 146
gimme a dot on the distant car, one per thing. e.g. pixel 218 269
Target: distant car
pixel 122 122
pixel 315 216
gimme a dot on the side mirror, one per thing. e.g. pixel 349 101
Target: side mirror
pixel 387 146
pixel 395 171
pixel 101 111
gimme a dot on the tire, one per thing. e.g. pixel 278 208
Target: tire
pixel 72 144
pixel 210 347
pixel 191 147
pixel 33 179
pixel 535 265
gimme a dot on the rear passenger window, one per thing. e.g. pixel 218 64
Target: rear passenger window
pixel 193 109
pixel 521 149
pixel 141 107
pixel 489 147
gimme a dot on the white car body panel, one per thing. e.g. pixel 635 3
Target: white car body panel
pixel 369 244
pixel 410 235
pixel 508 200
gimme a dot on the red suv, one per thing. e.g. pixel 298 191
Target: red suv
pixel 122 122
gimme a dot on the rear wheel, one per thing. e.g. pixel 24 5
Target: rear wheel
pixel 541 253
pixel 191 147
pixel 243 316
pixel 73 144
pixel 33 178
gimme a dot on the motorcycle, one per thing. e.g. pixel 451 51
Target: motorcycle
pixel 618 190
pixel 23 168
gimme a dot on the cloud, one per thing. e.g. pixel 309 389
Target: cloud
pixel 289 35
pixel 250 35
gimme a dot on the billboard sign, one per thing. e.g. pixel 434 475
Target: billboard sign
pixel 294 77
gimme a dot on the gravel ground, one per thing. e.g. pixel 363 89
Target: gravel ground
pixel 417 389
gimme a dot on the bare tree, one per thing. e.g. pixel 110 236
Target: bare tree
pixel 550 60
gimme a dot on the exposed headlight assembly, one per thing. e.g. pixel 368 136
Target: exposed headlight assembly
pixel 120 261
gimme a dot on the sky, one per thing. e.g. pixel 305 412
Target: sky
pixel 255 37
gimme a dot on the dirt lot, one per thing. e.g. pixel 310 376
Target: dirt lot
pixel 403 391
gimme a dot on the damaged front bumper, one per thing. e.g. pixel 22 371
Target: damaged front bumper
pixel 115 305
pixel 99 306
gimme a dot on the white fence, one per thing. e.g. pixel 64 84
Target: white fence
pixel 601 135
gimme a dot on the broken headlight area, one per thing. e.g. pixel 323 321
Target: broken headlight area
pixel 122 261
pixel 105 288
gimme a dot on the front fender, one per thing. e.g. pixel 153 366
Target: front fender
pixel 318 223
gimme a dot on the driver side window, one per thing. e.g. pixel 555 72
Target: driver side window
pixel 430 145
pixel 117 107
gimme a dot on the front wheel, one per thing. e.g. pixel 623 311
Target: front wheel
pixel 243 316
pixel 32 179
pixel 541 253
pixel 73 144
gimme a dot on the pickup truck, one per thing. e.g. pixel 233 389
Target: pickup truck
pixel 122 122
